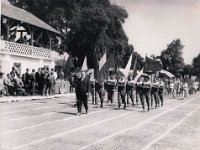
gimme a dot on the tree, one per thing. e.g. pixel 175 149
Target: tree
pixel 172 57
pixel 188 70
pixel 196 65
pixel 86 25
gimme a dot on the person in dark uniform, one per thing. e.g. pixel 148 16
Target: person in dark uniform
pixel 161 91
pixel 111 84
pixel 139 89
pixel 106 85
pixel 99 90
pixel 121 91
pixel 130 85
pixel 154 93
pixel 146 92
pixel 83 89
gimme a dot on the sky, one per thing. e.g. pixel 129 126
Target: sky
pixel 153 24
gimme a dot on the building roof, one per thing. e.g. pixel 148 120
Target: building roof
pixel 16 13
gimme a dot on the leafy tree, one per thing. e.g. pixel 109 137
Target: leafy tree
pixel 172 57
pixel 188 70
pixel 86 25
pixel 196 65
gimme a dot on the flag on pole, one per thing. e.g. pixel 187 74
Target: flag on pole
pixel 102 61
pixel 84 66
pixel 128 67
pixel 96 64
pixel 135 67
pixel 138 75
pixel 110 63
pixel 152 65
pixel 69 66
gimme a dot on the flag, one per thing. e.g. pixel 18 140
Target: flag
pixel 102 61
pixel 128 66
pixel 134 73
pixel 110 63
pixel 69 66
pixel 84 66
pixel 152 65
pixel 138 75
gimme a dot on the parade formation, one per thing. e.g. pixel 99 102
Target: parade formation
pixel 147 91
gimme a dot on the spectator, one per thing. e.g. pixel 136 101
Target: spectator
pixel 52 83
pixel 2 89
pixel 54 74
pixel 38 81
pixel 9 86
pixel 26 81
pixel 32 82
pixel 45 84
pixel 19 86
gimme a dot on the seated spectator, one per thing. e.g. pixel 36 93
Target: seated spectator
pixel 19 86
pixel 2 89
pixel 9 86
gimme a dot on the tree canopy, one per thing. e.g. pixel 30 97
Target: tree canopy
pixel 196 65
pixel 86 25
pixel 172 57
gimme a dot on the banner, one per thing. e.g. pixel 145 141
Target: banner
pixel 84 66
pixel 128 66
pixel 152 66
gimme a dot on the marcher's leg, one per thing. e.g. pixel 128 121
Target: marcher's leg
pixel 147 96
pixel 85 102
pixel 119 100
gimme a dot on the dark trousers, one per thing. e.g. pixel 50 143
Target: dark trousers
pixel 101 96
pixel 121 98
pixel 111 95
pixel 130 95
pixel 154 97
pixel 82 98
pixel 161 97
pixel 32 89
pixel 145 96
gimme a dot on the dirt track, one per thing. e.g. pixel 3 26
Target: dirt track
pixel 52 125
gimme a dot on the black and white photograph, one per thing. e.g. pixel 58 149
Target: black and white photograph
pixel 100 75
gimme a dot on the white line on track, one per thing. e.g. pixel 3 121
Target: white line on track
pixel 49 122
pixel 70 131
pixel 11 112
pixel 170 129
pixel 137 125
pixel 27 117
pixel 37 100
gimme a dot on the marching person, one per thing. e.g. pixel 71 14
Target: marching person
pixel 99 90
pixel 121 91
pixel 146 92
pixel 184 90
pixel 139 89
pixel 130 87
pixel 83 88
pixel 111 84
pixel 92 89
pixel 154 93
pixel 161 91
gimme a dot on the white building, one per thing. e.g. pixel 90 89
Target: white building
pixel 24 55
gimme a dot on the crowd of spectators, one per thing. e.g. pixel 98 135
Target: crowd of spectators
pixel 40 82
